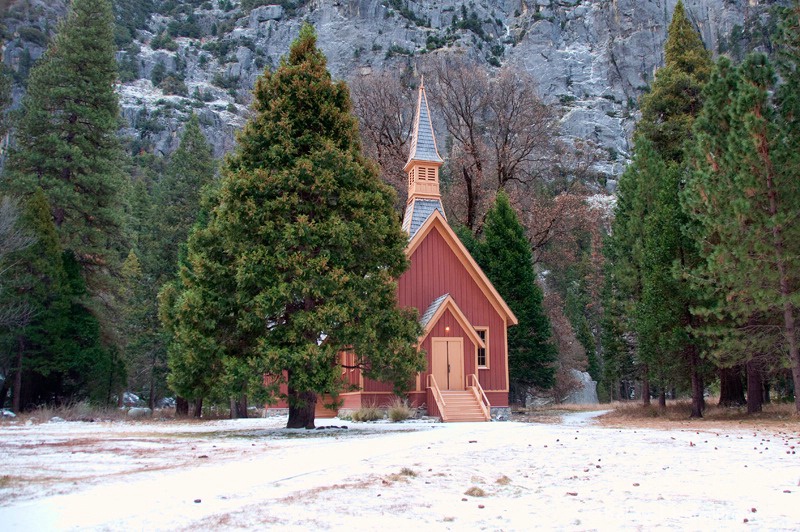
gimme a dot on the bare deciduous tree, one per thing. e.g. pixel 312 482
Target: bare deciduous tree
pixel 501 134
pixel 385 109
pixel 13 238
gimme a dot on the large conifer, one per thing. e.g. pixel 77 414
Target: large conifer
pixel 300 253
pixel 743 200
pixel 506 258
pixel 67 140
pixel 647 241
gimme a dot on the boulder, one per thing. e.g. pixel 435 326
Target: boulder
pixel 137 412
pixel 265 13
pixel 586 394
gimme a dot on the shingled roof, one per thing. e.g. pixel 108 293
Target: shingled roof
pixel 417 212
pixel 426 318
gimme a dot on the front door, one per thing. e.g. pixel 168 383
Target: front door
pixel 448 363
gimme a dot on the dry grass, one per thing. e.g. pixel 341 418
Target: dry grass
pixel 367 413
pixel 503 481
pixel 307 495
pixel 475 491
pixel 677 413
pixel 399 410
pixel 402 476
pixel 87 412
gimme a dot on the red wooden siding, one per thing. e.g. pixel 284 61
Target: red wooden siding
pixel 436 270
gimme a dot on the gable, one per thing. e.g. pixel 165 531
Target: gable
pixel 439 308
pixel 437 229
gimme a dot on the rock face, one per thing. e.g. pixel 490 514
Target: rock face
pixel 592 57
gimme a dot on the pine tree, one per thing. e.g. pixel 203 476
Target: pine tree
pixel 164 219
pixel 300 253
pixel 505 256
pixel 67 141
pixel 742 200
pixel 177 197
pixel 57 354
pixel 647 240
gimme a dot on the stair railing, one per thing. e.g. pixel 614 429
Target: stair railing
pixel 437 395
pixel 477 389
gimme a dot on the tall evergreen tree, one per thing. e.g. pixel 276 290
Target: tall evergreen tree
pixel 177 197
pixel 300 253
pixel 164 219
pixel 67 143
pixel 743 201
pixel 647 248
pixel 505 256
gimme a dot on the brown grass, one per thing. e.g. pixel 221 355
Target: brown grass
pixel 676 414
pixel 367 413
pixel 475 491
pixel 311 494
pixel 399 410
pixel 503 481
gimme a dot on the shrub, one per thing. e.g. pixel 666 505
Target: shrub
pixel 475 491
pixel 34 35
pixel 399 410
pixel 173 85
pixel 368 413
pixel 408 472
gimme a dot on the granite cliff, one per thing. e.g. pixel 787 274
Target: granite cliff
pixel 593 58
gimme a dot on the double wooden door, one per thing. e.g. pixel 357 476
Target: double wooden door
pixel 448 363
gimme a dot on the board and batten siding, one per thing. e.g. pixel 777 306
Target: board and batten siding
pixel 436 270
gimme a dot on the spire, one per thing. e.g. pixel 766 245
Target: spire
pixel 423 141
pixel 422 168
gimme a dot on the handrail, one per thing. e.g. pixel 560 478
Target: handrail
pixel 481 396
pixel 437 395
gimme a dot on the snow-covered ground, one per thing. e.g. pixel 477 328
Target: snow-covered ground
pixel 252 474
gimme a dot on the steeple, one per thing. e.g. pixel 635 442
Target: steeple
pixel 422 169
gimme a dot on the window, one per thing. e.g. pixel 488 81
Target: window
pixel 483 352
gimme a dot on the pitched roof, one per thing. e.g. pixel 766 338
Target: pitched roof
pixel 417 212
pixel 438 221
pixel 423 142
pixel 437 309
pixel 426 318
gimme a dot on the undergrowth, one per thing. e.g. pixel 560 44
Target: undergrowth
pixel 399 410
pixel 367 413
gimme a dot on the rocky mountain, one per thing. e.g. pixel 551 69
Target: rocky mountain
pixel 594 58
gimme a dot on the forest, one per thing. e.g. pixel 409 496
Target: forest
pixel 188 277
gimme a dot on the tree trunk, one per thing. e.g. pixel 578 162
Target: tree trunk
pixel 645 387
pixel 789 328
pixel 698 402
pixel 731 389
pixel 302 406
pixel 17 398
pixel 239 407
pixel 754 388
pixel 471 203
pixel 198 408
pixel 662 399
pixel 765 389
pixel 181 406
pixel 4 392
pixel 151 402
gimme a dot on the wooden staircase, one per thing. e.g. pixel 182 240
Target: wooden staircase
pixel 462 406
